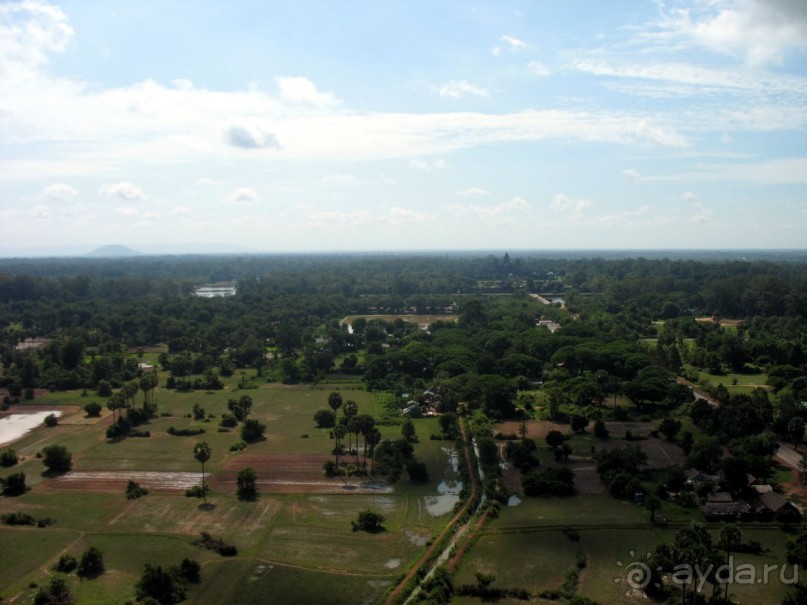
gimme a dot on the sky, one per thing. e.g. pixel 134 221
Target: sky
pixel 375 125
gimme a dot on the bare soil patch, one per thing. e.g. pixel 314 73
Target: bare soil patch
pixel 294 474
pixel 536 429
pixel 660 452
pixel 116 481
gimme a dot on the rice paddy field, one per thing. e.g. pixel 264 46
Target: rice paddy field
pixel 295 542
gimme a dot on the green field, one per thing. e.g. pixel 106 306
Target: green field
pixel 526 548
pixel 292 547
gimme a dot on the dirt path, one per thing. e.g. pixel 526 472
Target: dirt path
pixel 437 543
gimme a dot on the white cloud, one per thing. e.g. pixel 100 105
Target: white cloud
pixel 632 174
pixel 41 212
pixel 127 211
pixel 760 32
pixel 428 165
pixel 456 89
pixel 303 91
pixel 574 209
pixel 180 211
pixel 123 190
pixel 205 182
pixel 246 137
pixel 690 197
pixel 243 195
pixel 59 192
pixel 398 215
pixel 473 192
pixel 494 214
pixel 778 171
pixel 514 43
pixel 537 68
pixel 29 31
pixel 340 180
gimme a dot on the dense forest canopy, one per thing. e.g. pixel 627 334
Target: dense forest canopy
pixel 288 314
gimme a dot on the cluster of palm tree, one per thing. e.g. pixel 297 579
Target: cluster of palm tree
pixel 351 424
pixel 124 398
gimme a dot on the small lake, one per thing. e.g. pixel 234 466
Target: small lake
pixel 15 426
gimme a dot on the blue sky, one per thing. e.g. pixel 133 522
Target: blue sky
pixel 319 126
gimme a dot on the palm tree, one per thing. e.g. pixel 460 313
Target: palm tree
pixel 366 425
pixel 372 438
pixel 338 433
pixel 201 451
pixel 350 410
pixel 335 402
pixel 730 538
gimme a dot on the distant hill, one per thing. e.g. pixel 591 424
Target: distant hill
pixel 113 251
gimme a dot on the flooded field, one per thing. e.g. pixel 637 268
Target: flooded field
pixel 14 426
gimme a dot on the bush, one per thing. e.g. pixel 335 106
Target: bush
pixel 134 491
pixel 418 473
pixel 93 410
pixel 14 485
pixel 190 571
pixel 550 481
pixel 237 447
pixel 330 469
pixel 228 420
pixel 8 458
pixel 368 521
pixel 17 518
pixel 57 592
pixel 57 458
pixel 184 432
pixel 325 419
pixel 51 420
pixel 195 492
pixel 210 543
pixel 66 564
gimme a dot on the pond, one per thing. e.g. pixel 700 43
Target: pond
pixel 448 491
pixel 14 426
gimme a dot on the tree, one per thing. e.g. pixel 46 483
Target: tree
pixel 14 484
pixel 91 563
pixel 669 427
pixel 57 592
pixel 351 408
pixel 57 459
pixel 554 439
pixel 368 521
pixel 730 539
pixel 202 451
pixel 600 430
pixel 653 504
pixel 795 428
pixel 247 484
pixel 93 410
pixel 252 430
pixel 324 419
pixel 8 458
pixel 160 585
pixel 408 431
pixel 692 548
pixel 579 423
pixel 335 402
